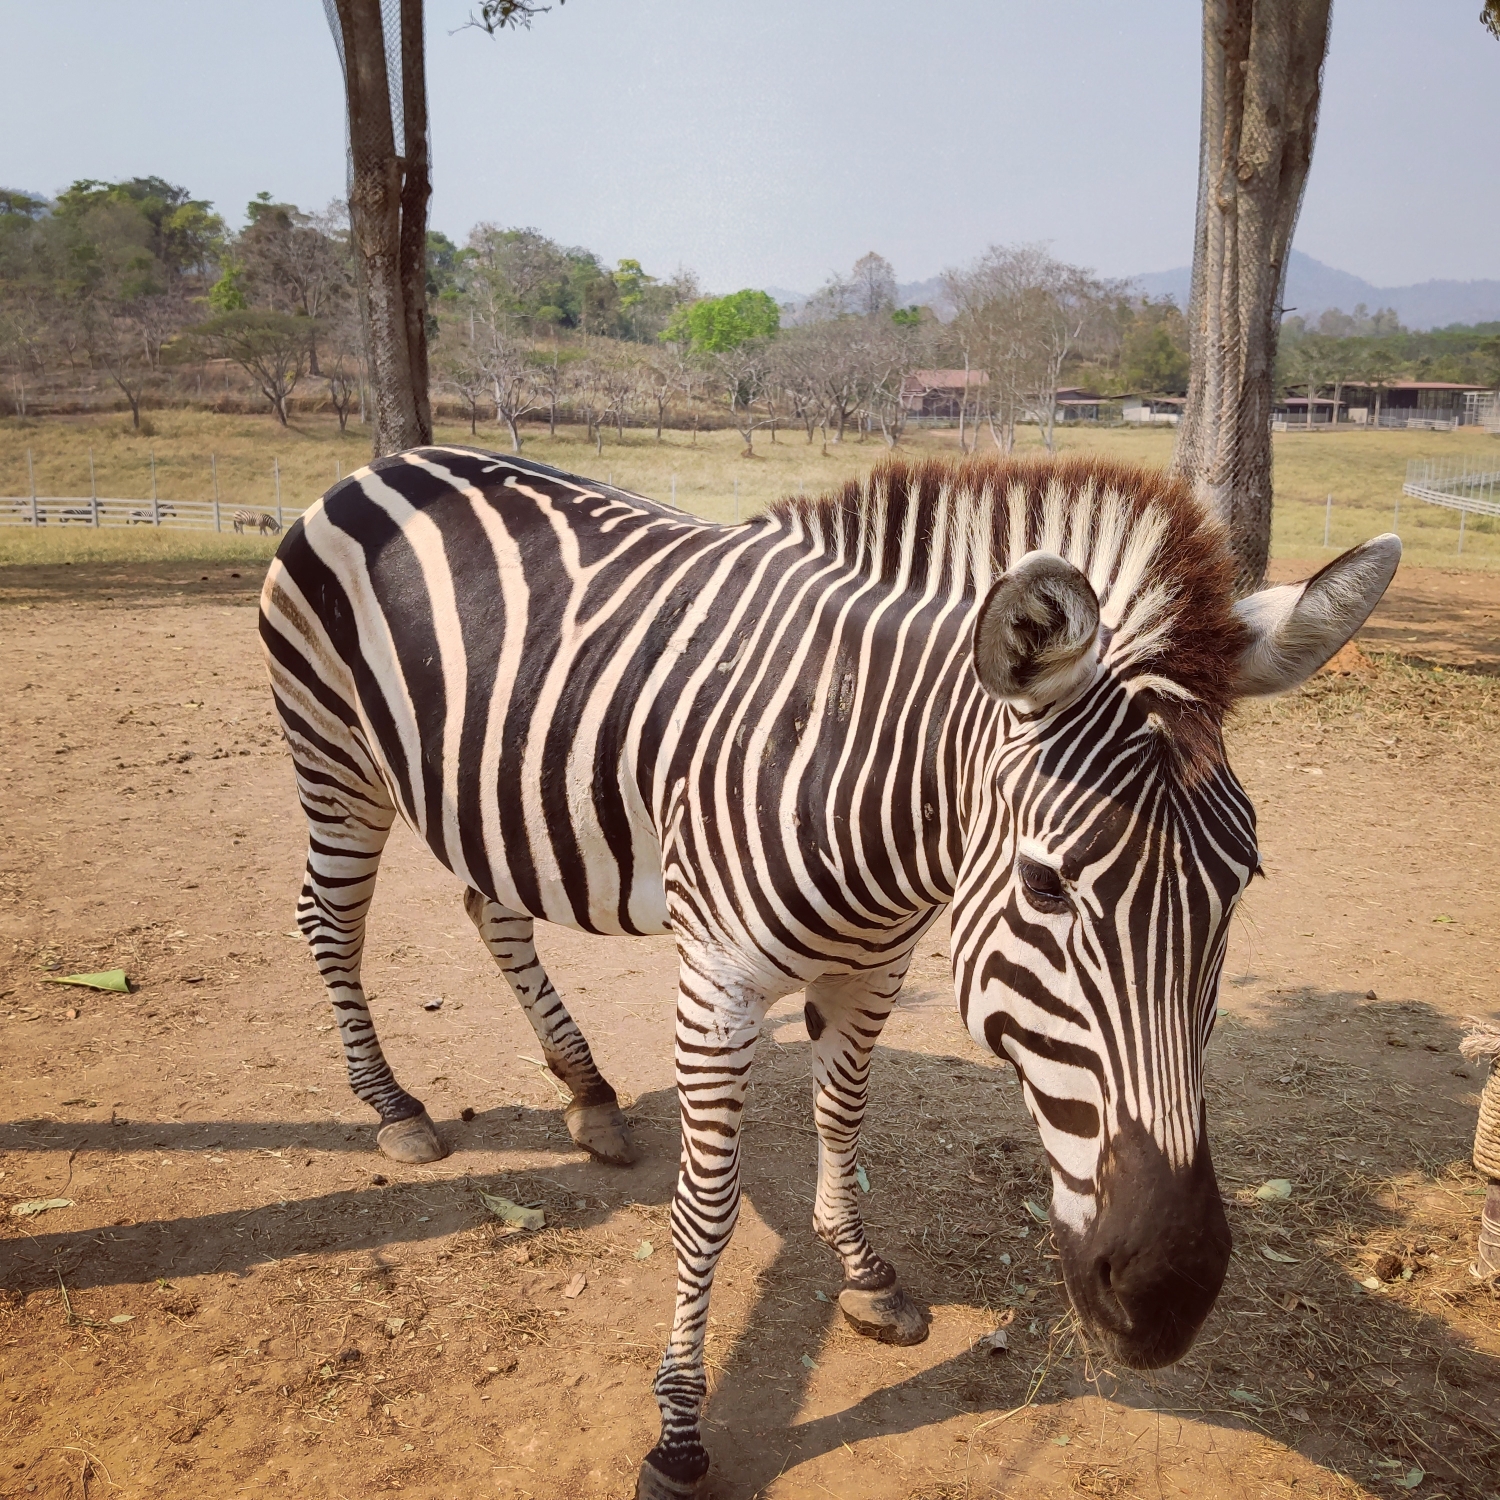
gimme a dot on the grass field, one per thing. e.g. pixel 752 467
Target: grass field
pixel 1362 470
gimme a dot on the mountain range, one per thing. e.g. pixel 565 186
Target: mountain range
pixel 1311 288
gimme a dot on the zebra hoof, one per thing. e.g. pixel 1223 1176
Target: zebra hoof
pixel 601 1130
pixel 414 1140
pixel 888 1315
pixel 652 1484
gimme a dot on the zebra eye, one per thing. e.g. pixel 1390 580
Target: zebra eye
pixel 1043 886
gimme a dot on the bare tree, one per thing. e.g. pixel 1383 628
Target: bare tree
pixel 1020 315
pixel 506 361
pixel 743 374
pixel 874 286
pixel 1262 83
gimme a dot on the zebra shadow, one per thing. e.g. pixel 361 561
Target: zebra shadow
pixel 1321 1088
pixel 1349 1331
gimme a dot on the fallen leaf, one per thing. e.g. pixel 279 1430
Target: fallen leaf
pixel 821 1296
pixel 808 1361
pixel 1063 1441
pixel 644 1250
pixel 123 1318
pixel 862 1179
pixel 110 979
pixel 29 1206
pixel 1298 1414
pixel 1372 1282
pixel 1274 1191
pixel 575 1286
pixel 513 1213
pixel 1411 1479
pixel 1278 1257
pixel 393 1326
pixel 1039 1214
pixel 1248 1397
pixel 994 1343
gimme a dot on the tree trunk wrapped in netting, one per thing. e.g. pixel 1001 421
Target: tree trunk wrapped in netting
pixel 380 44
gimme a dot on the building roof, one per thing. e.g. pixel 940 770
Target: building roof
pixel 1416 385
pixel 945 380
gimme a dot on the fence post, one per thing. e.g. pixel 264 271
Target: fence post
pixel 213 464
pixel 31 475
pixel 1327 519
pixel 93 491
pixel 155 514
pixel 276 471
pixel 1463 515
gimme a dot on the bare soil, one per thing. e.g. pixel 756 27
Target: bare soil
pixel 209 1317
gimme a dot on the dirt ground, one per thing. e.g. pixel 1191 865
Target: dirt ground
pixel 208 1318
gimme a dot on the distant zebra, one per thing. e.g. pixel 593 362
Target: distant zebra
pixel 791 743
pixel 144 517
pixel 258 520
pixel 82 513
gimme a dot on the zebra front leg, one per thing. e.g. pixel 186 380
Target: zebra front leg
pixel 718 1024
pixel 349 828
pixel 844 1020
pixel 593 1114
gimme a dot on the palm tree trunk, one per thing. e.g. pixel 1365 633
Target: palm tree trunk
pixel 1262 82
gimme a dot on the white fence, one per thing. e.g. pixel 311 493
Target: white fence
pixel 1452 484
pixel 96 511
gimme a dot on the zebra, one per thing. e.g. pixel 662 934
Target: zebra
pixel 791 743
pixel 143 517
pixel 258 520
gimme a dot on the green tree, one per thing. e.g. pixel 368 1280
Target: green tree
pixel 271 347
pixel 715 325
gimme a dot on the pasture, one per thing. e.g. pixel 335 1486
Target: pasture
pixel 209 1316
pixel 1362 470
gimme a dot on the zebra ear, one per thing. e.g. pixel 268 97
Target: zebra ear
pixel 1034 640
pixel 1296 627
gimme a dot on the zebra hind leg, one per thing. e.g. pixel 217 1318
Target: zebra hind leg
pixel 348 828
pixel 844 1019
pixel 593 1113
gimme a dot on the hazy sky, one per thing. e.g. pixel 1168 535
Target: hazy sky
pixel 769 142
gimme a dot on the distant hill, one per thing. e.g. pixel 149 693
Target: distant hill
pixel 1312 288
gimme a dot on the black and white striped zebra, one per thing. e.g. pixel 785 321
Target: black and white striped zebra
pixel 256 520
pixel 791 743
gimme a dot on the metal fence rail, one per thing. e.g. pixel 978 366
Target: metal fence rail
pixel 1452 484
pixel 97 511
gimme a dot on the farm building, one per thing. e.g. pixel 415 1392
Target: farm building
pixel 1152 411
pixel 1411 403
pixel 1439 404
pixel 937 393
pixel 1074 404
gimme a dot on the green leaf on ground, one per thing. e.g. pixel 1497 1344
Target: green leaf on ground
pixel 110 979
pixel 862 1179
pixel 1277 1190
pixel 123 1318
pixel 1039 1214
pixel 29 1206
pixel 1248 1397
pixel 808 1361
pixel 644 1250
pixel 1278 1257
pixel 1411 1479
pixel 513 1213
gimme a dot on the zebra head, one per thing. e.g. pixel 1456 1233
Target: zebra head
pixel 1106 845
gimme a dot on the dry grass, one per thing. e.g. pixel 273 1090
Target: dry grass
pixel 1363 471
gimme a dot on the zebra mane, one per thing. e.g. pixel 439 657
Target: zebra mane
pixel 1159 564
